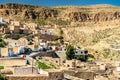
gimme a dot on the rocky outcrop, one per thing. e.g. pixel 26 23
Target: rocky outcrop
pixel 44 14
pixel 78 16
pixel 97 17
pixel 30 12
pixel 102 16
pixel 17 6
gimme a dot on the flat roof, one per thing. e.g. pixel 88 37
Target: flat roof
pixel 26 75
pixel 12 58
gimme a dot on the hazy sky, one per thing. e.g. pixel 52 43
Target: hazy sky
pixel 63 2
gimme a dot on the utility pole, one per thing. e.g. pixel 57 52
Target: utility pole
pixel 32 66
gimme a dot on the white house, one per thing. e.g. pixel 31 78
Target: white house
pixel 2 21
pixel 81 52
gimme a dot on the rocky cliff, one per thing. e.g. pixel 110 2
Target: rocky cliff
pixel 100 16
pixel 70 13
pixel 22 11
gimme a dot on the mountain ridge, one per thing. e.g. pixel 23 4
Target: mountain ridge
pixel 94 13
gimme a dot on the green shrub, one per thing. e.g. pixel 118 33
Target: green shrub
pixel 70 52
pixel 29 38
pixel 42 65
pixel 1 67
pixel 2 78
pixel 2 44
pixel 53 66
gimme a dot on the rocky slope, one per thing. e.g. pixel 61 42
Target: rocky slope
pixel 70 13
pixel 21 11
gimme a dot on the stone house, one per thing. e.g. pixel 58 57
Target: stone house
pixel 31 26
pixel 25 70
pixel 62 63
pixel 33 46
pixel 68 64
pixel 53 74
pixel 15 23
pixel 44 75
pixel 101 65
pixel 6 30
pixel 23 41
pixel 14 29
pixel 35 31
pixel 3 52
pixel 16 50
pixel 9 62
pixel 85 75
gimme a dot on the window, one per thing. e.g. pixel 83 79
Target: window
pixel 64 61
pixel 86 52
pixel 68 65
pixel 81 52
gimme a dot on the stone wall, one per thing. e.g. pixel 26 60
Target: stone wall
pixel 33 77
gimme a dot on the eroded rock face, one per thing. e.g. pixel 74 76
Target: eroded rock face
pixel 29 14
pixel 16 6
pixel 100 16
pixel 45 14
pixel 37 12
pixel 78 16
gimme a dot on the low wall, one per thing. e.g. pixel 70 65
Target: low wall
pixel 27 77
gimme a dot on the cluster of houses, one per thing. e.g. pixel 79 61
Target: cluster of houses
pixel 17 53
pixel 19 57
pixel 23 28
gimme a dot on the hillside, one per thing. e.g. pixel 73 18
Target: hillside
pixel 94 27
pixel 94 13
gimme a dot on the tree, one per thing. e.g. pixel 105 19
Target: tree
pixel 70 52
pixel 1 67
pixel 2 43
pixel 61 32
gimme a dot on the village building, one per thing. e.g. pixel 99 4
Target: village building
pixel 14 29
pixel 25 70
pixel 10 62
pixel 51 74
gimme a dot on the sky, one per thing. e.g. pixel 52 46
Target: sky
pixel 63 2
